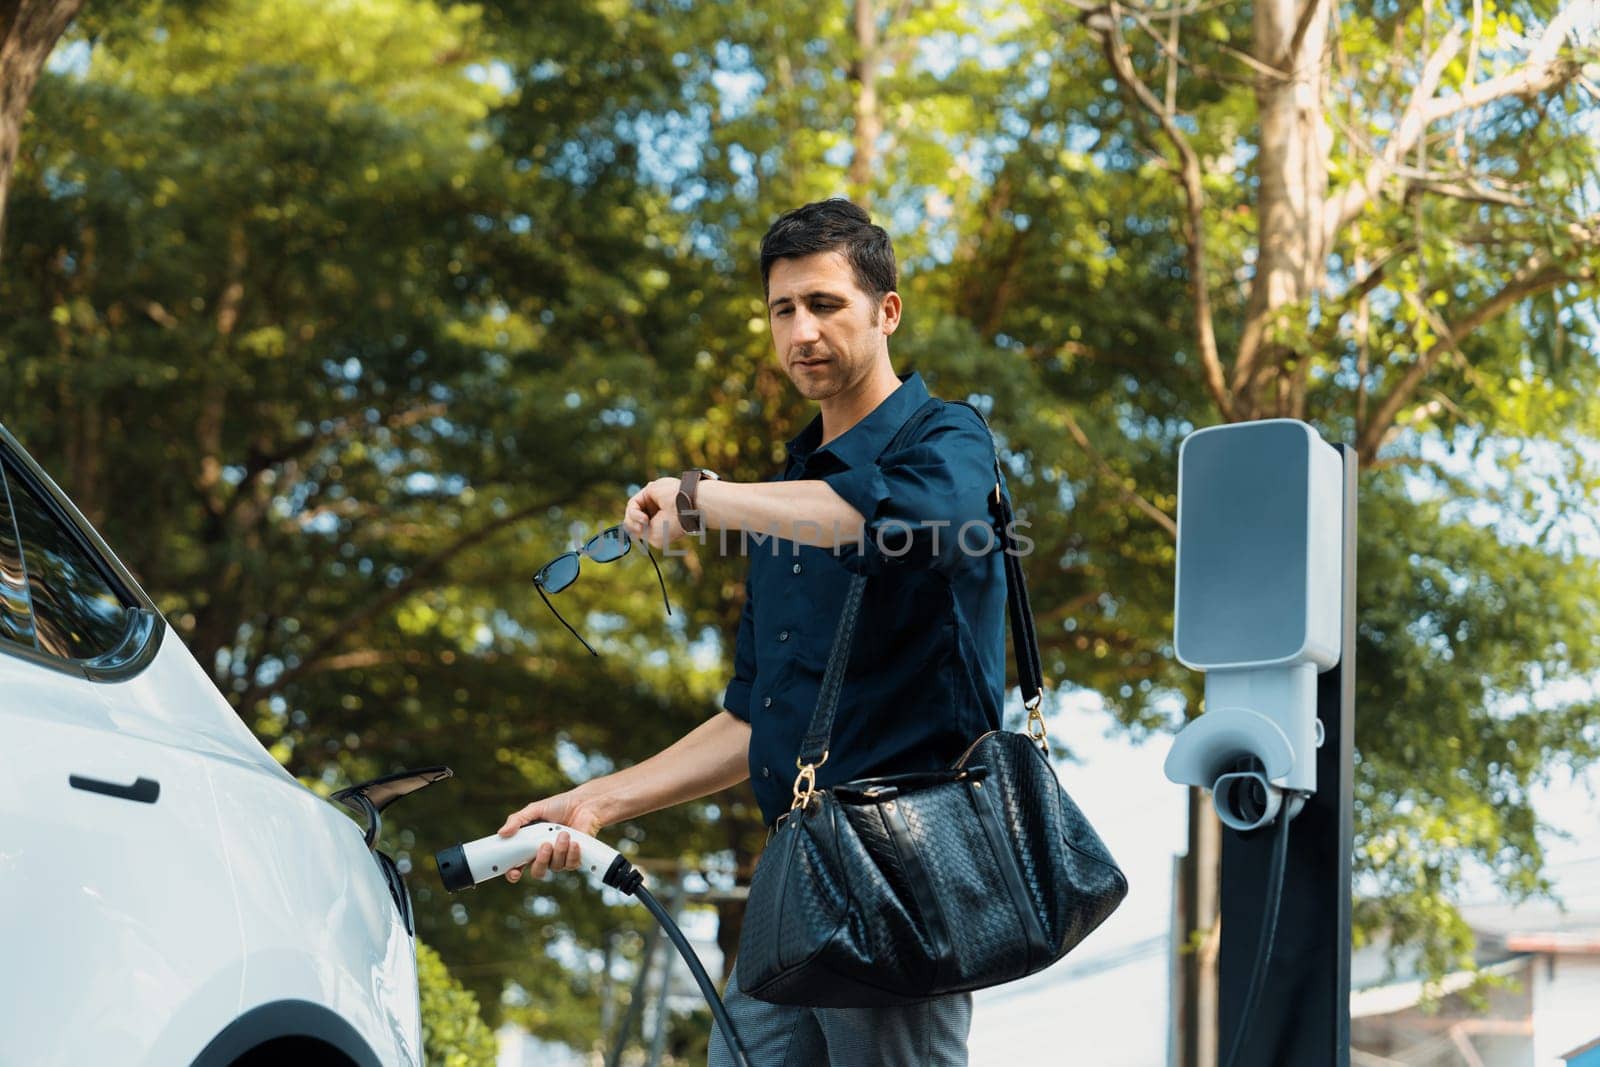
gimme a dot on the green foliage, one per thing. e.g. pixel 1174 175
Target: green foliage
pixel 337 317
pixel 453 1033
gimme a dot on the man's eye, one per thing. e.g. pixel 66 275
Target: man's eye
pixel 784 313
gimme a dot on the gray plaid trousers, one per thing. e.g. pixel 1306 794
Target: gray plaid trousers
pixel 930 1034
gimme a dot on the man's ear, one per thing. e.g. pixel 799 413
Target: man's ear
pixel 889 313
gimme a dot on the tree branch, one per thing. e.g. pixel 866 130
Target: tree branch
pixel 1287 62
pixel 901 12
pixel 1370 281
pixel 419 576
pixel 260 461
pixel 1469 191
pixel 214 392
pixel 1342 207
pixel 1542 71
pixel 1161 518
pixel 1538 275
pixel 1170 45
pixel 1170 49
pixel 1117 52
pixel 160 315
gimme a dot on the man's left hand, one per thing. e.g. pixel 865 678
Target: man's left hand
pixel 652 513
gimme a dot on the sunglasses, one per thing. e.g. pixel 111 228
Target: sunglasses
pixel 604 547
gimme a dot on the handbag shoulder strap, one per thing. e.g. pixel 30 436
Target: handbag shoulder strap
pixel 1030 676
pixel 1024 639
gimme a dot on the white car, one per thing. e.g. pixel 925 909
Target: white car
pixel 169 895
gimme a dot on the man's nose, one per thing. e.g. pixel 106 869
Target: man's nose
pixel 804 330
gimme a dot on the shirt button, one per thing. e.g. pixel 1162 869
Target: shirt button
pixel 797 568
pixel 766 772
pixel 784 636
pixel 766 702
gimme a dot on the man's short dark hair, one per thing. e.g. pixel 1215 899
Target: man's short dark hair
pixel 834 225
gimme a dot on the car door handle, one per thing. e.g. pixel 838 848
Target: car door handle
pixel 143 790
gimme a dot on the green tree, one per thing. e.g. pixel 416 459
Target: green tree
pixel 1383 246
pixel 453 1033
pixel 274 258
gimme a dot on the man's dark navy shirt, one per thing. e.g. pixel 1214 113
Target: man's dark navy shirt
pixel 927 673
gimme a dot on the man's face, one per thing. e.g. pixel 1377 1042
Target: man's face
pixel 828 333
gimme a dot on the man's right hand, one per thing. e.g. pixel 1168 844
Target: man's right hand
pixel 564 808
pixel 712 756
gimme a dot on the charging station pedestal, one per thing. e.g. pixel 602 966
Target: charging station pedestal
pixel 1266 607
pixel 1303 1016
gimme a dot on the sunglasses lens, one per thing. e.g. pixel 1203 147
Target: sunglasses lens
pixel 559 573
pixel 607 545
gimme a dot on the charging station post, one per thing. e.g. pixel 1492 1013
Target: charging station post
pixel 1266 608
pixel 1302 1017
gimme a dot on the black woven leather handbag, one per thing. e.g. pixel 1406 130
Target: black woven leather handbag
pixel 892 890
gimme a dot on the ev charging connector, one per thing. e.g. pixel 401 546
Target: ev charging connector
pixel 466 865
pixel 1259 582
pixel 462 866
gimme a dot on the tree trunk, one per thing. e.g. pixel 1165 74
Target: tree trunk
pixel 29 30
pixel 868 123
pixel 1198 912
pixel 1292 167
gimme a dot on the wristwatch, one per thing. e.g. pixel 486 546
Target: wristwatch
pixel 689 484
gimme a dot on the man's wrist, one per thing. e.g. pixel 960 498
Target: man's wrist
pixel 599 801
pixel 706 500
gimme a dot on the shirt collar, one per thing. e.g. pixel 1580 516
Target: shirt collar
pixel 864 442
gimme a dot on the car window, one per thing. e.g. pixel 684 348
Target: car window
pixel 76 613
pixel 16 615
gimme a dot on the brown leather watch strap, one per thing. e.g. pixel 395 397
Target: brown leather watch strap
pixel 688 489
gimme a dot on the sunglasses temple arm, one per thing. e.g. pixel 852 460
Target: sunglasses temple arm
pixel 659 579
pixel 540 589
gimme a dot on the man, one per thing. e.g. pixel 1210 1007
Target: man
pixel 927 672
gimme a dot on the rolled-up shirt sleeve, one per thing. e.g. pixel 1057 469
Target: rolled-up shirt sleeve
pixel 916 500
pixel 736 698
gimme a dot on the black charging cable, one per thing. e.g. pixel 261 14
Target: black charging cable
pixel 1269 933
pixel 621 876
